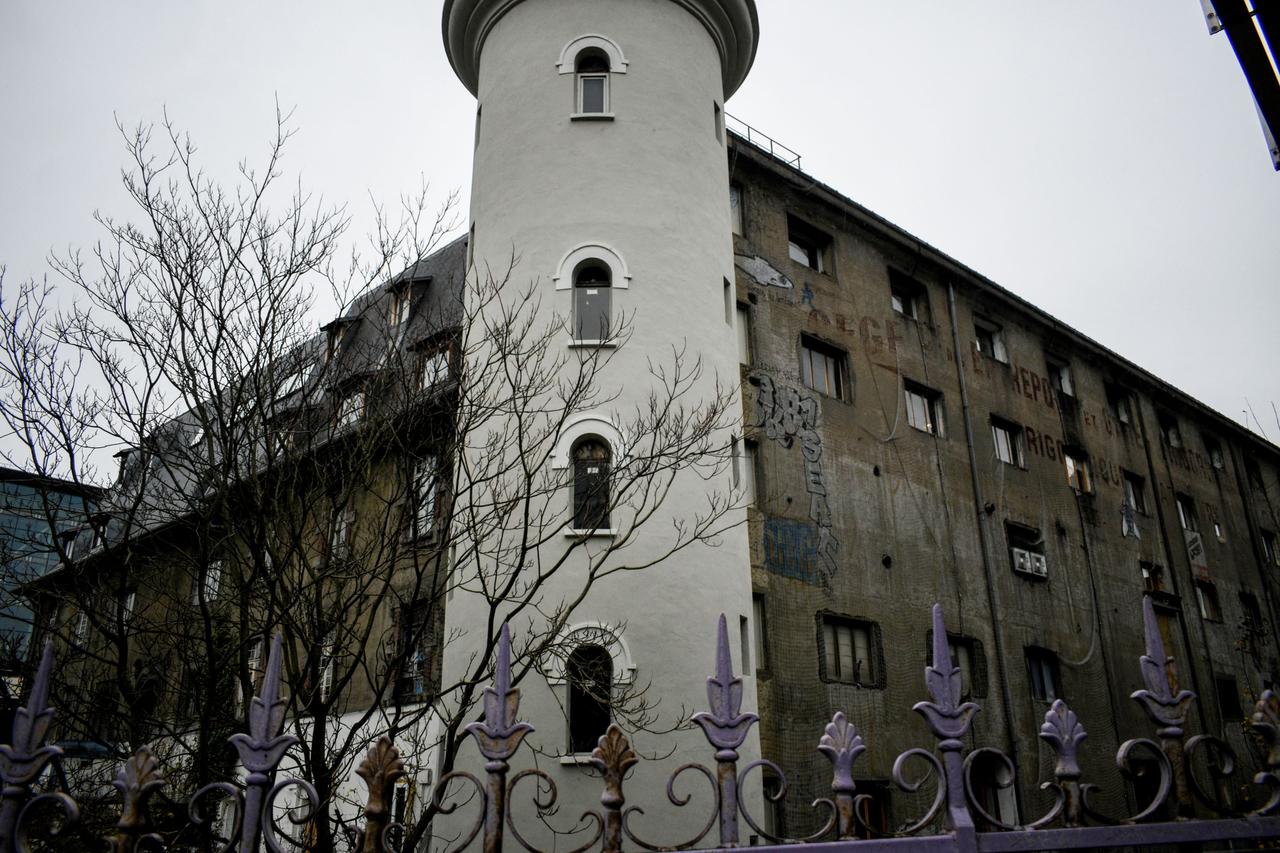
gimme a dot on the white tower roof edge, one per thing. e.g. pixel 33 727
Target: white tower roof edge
pixel 733 25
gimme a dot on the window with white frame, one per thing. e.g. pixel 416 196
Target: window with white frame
pixel 433 368
pixel 1187 515
pixel 340 527
pixel 337 336
pixel 1135 492
pixel 924 409
pixel 1008 439
pixel 425 485
pixel 807 245
pixel 350 409
pixel 255 663
pixel 1119 404
pixel 1060 376
pixel 80 633
pixel 1079 476
pixel 291 384
pixel 850 651
pixel 989 338
pixel 328 651
pixel 907 297
pixel 592 77
pixel 206 587
pixel 1170 433
pixel 592 302
pixel 823 367
pixel 735 207
pixel 401 305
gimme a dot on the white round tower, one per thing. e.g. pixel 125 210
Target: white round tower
pixel 600 164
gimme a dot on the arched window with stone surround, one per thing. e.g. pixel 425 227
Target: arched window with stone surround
pixel 592 301
pixel 591 498
pixel 589 673
pixel 591 69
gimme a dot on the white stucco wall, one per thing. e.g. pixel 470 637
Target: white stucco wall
pixel 652 185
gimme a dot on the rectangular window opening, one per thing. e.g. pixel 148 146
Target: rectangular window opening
pixel 1270 554
pixel 807 245
pixel 593 93
pixel 1009 442
pixel 1187 516
pixel 1060 376
pixel 1042 669
pixel 850 651
pixel 908 298
pixel 1170 434
pixel 744 333
pixel 760 636
pixel 1079 475
pixel 735 208
pixel 1214 450
pixel 1119 404
pixel 1207 600
pixel 823 367
pixel 1135 492
pixel 924 409
pixel 990 340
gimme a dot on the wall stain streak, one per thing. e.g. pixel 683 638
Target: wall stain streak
pixel 787 415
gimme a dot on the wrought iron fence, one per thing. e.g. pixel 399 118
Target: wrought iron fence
pixel 948 823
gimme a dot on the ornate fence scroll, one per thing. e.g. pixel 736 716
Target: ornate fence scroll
pixel 950 822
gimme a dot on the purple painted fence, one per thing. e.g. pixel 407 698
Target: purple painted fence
pixel 949 823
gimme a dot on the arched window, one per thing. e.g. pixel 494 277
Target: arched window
pixel 589 672
pixel 592 71
pixel 591 484
pixel 592 298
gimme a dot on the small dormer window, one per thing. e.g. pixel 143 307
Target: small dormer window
pixel 592 71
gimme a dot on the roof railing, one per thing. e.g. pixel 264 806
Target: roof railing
pixel 762 140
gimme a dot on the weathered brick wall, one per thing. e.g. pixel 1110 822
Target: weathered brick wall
pixel 860 514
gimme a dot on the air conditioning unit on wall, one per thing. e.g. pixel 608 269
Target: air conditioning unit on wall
pixel 1030 563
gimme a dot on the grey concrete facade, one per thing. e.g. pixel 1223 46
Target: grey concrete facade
pixel 861 518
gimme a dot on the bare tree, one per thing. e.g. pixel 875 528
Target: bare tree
pixel 339 488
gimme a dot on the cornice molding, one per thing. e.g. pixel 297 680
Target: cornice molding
pixel 733 25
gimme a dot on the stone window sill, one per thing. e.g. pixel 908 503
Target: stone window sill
pixel 607 533
pixel 591 117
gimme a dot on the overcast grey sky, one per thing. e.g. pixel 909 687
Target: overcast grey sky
pixel 1101 159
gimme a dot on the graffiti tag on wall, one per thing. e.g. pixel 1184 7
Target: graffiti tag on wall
pixel 788 417
pixel 791 549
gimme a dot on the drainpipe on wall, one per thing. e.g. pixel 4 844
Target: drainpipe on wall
pixel 1002 671
pixel 1191 669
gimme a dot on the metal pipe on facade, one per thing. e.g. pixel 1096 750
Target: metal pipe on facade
pixel 1002 671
